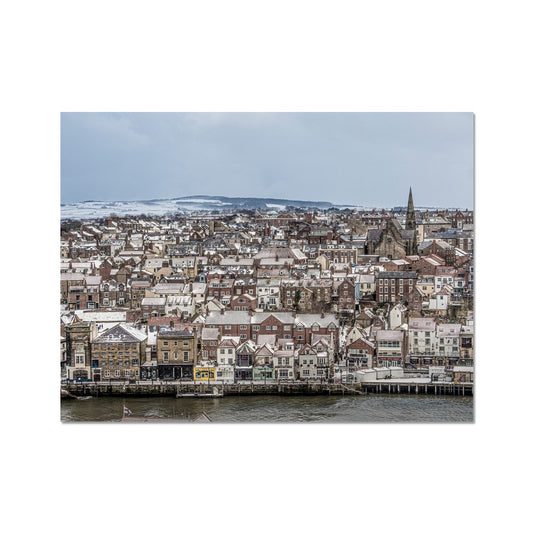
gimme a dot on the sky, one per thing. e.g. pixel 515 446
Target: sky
pixel 368 159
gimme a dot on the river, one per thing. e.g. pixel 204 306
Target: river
pixel 371 408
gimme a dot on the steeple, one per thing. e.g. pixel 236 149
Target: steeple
pixel 410 221
pixel 410 224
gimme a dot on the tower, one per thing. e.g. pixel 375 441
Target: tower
pixel 410 221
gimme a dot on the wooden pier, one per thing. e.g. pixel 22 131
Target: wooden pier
pixel 218 390
pixel 431 388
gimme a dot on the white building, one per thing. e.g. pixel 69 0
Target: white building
pixel 422 336
pixel 448 341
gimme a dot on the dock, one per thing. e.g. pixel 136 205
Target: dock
pixel 283 388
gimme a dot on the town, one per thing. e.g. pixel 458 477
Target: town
pixel 334 296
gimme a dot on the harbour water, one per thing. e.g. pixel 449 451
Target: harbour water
pixel 378 408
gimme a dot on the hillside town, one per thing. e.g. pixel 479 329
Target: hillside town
pixel 297 295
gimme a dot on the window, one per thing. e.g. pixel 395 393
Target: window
pixel 185 357
pixel 117 373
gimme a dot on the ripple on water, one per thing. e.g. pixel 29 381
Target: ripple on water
pixel 280 409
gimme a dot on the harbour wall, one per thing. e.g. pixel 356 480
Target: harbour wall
pixel 73 390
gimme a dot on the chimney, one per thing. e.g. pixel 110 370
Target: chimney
pixel 250 312
pixel 222 311
pixel 322 314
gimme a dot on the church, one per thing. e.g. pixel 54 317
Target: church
pixel 393 241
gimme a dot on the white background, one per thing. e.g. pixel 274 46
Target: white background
pixel 264 56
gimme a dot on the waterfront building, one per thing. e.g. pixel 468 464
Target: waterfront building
pixel 422 340
pixel 78 360
pixel 263 363
pixel 359 354
pixel 390 347
pixel 244 361
pixel 283 364
pixel 176 354
pixel 117 354
pixel 448 343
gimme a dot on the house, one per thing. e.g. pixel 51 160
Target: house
pixel 137 292
pixel 441 300
pixel 283 364
pixel 390 347
pixel 307 363
pixel 153 306
pixel 394 286
pixel 396 316
pixel 263 363
pixel 422 341
pixel 226 351
pixel 466 342
pixel 359 354
pixel 243 302
pixel 209 343
pixel 268 293
pixel 448 344
pixel 180 305
pixel 244 361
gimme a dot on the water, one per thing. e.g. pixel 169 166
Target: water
pixel 371 408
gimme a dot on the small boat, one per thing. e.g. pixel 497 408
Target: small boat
pixel 215 394
pixel 199 395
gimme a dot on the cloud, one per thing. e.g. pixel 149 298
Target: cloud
pixel 364 158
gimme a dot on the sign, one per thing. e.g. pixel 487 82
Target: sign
pixel 204 373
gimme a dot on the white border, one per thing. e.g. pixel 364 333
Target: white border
pixel 231 56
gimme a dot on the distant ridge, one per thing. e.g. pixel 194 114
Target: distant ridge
pixel 190 204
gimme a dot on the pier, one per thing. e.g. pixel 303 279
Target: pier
pixel 216 389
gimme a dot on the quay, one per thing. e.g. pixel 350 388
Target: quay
pixel 218 389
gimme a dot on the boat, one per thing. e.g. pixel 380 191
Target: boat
pixel 215 394
pixel 199 395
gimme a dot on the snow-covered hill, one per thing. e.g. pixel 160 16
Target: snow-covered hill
pixel 187 204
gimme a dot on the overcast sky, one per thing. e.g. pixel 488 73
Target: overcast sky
pixel 368 159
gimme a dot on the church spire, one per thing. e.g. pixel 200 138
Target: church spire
pixel 410 221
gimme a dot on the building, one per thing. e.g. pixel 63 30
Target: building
pixel 390 347
pixel 394 286
pixel 176 354
pixel 117 354
pixel 79 339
